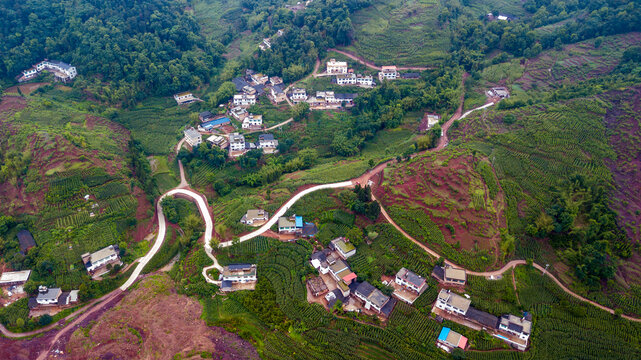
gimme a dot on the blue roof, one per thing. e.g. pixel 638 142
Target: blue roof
pixel 212 123
pixel 299 221
pixel 444 332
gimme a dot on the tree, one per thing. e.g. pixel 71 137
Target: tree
pixel 355 235
pixel 344 146
pixel 20 323
pixel 300 111
pixel 45 319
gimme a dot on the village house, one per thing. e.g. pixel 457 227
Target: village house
pixel 277 93
pixel 336 67
pixel 14 278
pixel 48 296
pixel 309 230
pixel 253 122
pixel 244 100
pixel 449 339
pixel 371 296
pixel 268 144
pixel 238 113
pixel 280 32
pixel 237 274
pixel 259 79
pixel 518 326
pixel 218 140
pixel 452 302
pixel 317 286
pixel 185 98
pixel 428 122
pixel 410 76
pixel 449 275
pixel 236 144
pixel 298 95
pixel 321 260
pixel 275 80
pixel 341 271
pixel 410 280
pixel 101 258
pixel 214 124
pixel 333 297
pixel 290 225
pixel 266 44
pixel 388 73
pixel 61 70
pixel 345 99
pixel 343 247
pixel 353 79
pixel 193 137
pixel 205 116
pixel 26 241
pixel 500 92
pixel 255 217
pixel 249 90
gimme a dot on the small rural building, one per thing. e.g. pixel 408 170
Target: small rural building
pixel 344 248
pixel 259 78
pixel 275 80
pixel 320 260
pixel 411 76
pixel 428 122
pixel 101 258
pixel 410 280
pixel 449 339
pixel 255 217
pixel 309 230
pixel 239 273
pixel 205 115
pixel 193 137
pixel 268 144
pixel 253 122
pixel 290 225
pixel 452 302
pixel 185 98
pixel 249 90
pixel 371 296
pixel 336 67
pixel 236 142
pixel 518 326
pixel 347 99
pixel 244 100
pixel 278 94
pixel 299 95
pixel 388 73
pixel 26 241
pixel 214 124
pixel 449 275
pixel 483 318
pixel 238 113
pixel 334 296
pixel 48 296
pixel 317 286
pixel 266 44
pixel 500 91
pixel 240 83
pixel 14 278
pixel 346 79
pixel 218 140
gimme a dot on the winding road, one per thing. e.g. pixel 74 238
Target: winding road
pixel 371 65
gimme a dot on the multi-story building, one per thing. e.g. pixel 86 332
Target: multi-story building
pixel 48 296
pixel 238 113
pixel 101 258
pixel 353 79
pixel 410 280
pixel 299 95
pixel 515 325
pixel 253 122
pixel 193 137
pixel 267 142
pixel 14 278
pixel 388 73
pixel 61 70
pixel 255 217
pixel 344 248
pixel 244 100
pixel 452 302
pixel 336 67
pixel 371 296
pixel 236 142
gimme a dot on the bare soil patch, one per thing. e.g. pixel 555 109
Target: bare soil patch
pixel 153 322
pixel 444 187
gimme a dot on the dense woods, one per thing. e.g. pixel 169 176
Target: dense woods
pixel 137 47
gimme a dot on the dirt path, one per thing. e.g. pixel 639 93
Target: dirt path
pixel 371 65
pixel 273 127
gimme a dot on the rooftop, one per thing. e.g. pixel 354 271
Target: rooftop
pixel 192 133
pixel 256 213
pixel 206 114
pixel 411 277
pixel 365 289
pixel 316 284
pixel 452 273
pixel 284 221
pixel 14 276
pixel 62 64
pixel 343 245
pixel 50 294
pixel 26 240
pixel 483 318
pixel 236 137
pixel 454 300
pixel 516 323
pixel 266 137
pixel 338 266
pixel 101 254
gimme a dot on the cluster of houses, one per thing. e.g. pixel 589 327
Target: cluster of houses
pixel 323 100
pixel 236 277
pixel 253 85
pixel 510 328
pixel 61 70
pixel 337 282
pixel 346 76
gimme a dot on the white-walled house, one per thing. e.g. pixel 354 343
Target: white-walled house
pixel 193 137
pixel 48 296
pixel 515 325
pixel 452 302
pixel 299 95
pixel 252 121
pixel 410 280
pixel 244 100
pixel 336 67
pixel 236 142
pixel 100 258
pixel 61 70
pixel 388 73
pixel 267 141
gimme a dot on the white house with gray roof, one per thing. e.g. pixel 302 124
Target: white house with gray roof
pixel 48 296
pixel 410 280
pixel 452 302
pixel 371 296
pixel 193 137
pixel 101 258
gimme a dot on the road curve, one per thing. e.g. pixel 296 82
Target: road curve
pixel 371 65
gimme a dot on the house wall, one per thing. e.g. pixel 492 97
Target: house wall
pixel 444 306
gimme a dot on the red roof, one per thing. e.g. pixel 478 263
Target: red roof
pixel 462 343
pixel 349 277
